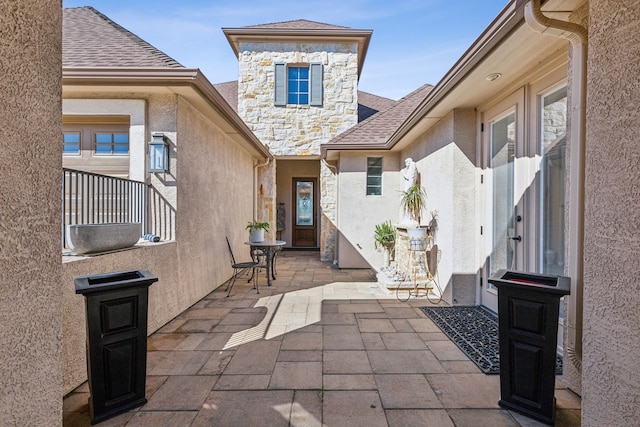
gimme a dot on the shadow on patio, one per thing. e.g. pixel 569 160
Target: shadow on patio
pixel 321 347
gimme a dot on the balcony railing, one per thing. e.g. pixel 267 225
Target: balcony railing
pixel 90 198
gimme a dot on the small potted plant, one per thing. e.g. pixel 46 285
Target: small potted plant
pixel 385 237
pixel 413 201
pixel 257 230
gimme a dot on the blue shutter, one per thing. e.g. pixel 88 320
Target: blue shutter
pixel 315 84
pixel 280 84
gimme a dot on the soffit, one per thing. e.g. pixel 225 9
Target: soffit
pixel 188 83
pixel 508 47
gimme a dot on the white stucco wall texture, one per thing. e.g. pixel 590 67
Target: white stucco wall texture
pixel 30 188
pixel 358 213
pixel 445 157
pixel 610 374
pixel 213 184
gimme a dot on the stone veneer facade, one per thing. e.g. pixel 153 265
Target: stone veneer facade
pixel 298 130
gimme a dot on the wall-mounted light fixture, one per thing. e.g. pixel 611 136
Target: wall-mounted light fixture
pixel 158 153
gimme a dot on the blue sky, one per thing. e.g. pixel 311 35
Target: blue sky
pixel 414 41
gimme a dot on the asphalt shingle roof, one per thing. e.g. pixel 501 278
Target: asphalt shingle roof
pixel 378 128
pixel 90 39
pixel 299 24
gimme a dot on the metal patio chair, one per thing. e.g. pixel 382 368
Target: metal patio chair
pixel 240 268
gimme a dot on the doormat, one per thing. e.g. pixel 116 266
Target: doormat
pixel 474 329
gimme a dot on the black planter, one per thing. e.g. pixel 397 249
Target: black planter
pixel 528 309
pixel 116 308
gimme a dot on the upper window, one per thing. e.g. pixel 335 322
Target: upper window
pixel 98 144
pixel 298 84
pixel 71 143
pixel 374 176
pixel 111 143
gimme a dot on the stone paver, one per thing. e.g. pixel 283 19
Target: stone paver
pixel 353 408
pixel 321 347
pixel 181 393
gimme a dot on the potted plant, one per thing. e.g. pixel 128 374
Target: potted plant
pixel 385 237
pixel 257 230
pixel 413 201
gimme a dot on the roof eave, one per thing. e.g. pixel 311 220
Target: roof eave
pixel 510 18
pixel 331 151
pixel 363 37
pixel 173 78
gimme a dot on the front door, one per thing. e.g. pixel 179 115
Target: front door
pixel 504 186
pixel 305 201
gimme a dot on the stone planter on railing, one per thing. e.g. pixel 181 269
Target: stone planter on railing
pixel 95 238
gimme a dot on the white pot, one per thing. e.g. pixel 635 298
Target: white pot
pixel 417 238
pixel 386 257
pixel 94 238
pixel 256 235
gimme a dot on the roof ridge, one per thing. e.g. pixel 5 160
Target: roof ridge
pixel 143 44
pixel 279 23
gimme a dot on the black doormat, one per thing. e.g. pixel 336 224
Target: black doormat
pixel 474 329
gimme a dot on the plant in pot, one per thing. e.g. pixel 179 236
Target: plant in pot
pixel 257 230
pixel 385 237
pixel 413 202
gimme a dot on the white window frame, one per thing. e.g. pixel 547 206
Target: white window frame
pixel 316 84
pixel 370 175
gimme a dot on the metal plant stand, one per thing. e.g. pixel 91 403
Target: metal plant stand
pixel 419 272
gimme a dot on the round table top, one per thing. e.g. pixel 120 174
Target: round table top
pixel 267 243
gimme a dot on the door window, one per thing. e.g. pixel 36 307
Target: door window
pixel 304 203
pixel 503 140
pixel 553 145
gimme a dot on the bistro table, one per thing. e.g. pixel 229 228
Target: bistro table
pixel 268 248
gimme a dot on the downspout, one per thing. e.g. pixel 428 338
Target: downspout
pixel 256 188
pixel 577 36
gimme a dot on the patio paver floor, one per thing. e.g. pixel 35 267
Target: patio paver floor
pixel 321 347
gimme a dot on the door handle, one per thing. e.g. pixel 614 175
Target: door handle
pixel 516 238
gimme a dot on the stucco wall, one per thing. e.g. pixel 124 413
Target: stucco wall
pixel 610 374
pixel 445 157
pixel 134 108
pixel 214 178
pixel 358 213
pixel 215 199
pixel 31 158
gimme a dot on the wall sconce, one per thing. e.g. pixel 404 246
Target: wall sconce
pixel 158 153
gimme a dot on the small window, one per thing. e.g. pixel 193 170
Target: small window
pixel 374 176
pixel 298 85
pixel 71 142
pixel 112 143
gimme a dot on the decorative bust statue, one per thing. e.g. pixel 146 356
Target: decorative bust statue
pixel 409 174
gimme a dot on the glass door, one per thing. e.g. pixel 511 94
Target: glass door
pixel 305 230
pixel 502 182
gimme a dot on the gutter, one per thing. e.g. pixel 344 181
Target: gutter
pixel 578 37
pixel 186 77
pixel 504 24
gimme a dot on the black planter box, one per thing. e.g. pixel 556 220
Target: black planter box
pixel 528 309
pixel 116 308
